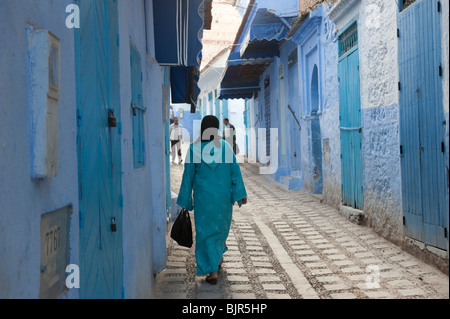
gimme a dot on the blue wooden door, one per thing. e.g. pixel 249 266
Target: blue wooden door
pixel 138 108
pixel 316 135
pixel 350 119
pixel 267 114
pixel 422 125
pixel 166 105
pixel 294 116
pixel 99 153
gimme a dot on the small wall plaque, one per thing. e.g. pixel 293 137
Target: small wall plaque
pixel 55 256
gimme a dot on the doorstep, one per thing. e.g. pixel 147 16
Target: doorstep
pixel 356 216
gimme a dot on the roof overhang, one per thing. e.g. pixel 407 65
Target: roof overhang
pixel 262 49
pixel 241 79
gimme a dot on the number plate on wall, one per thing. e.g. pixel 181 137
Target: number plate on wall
pixel 55 256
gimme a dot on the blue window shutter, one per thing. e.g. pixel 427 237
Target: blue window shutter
pixel 138 108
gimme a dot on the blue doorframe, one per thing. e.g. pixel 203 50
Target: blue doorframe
pixel 99 150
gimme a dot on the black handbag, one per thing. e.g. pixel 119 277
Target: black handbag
pixel 182 230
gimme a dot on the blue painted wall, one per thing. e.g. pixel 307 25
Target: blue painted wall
pixel 23 201
pixel 144 215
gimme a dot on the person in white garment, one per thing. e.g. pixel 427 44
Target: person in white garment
pixel 176 139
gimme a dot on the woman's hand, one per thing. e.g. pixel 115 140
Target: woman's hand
pixel 244 202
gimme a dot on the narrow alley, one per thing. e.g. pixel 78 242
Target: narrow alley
pixel 288 245
pixel 337 111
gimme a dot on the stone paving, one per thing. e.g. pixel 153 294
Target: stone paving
pixel 287 245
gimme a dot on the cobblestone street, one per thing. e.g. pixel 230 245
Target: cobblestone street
pixel 286 244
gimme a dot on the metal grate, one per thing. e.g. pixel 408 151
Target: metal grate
pixel 407 3
pixel 348 39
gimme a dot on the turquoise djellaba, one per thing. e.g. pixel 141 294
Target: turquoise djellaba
pixel 212 183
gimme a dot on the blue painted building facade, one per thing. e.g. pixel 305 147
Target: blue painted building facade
pixel 85 146
pixel 337 86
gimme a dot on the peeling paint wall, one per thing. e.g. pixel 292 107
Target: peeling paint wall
pixel 382 175
pixel 332 191
pixel 378 47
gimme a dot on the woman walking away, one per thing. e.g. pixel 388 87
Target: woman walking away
pixel 214 176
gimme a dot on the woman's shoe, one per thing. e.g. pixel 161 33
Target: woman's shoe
pixel 211 281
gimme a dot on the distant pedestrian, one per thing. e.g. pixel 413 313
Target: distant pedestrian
pixel 216 184
pixel 176 139
pixel 171 115
pixel 229 134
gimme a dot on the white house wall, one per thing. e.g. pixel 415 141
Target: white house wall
pixel 329 119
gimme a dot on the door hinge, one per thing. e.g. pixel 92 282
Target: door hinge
pixel 443 147
pixel 439 6
pixel 401 149
pixel 440 70
pixel 398 33
pixel 399 86
pixel 445 232
pixel 81 213
pixel 404 220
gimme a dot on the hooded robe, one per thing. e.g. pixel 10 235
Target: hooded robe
pixel 212 183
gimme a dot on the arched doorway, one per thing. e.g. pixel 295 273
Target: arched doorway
pixel 316 138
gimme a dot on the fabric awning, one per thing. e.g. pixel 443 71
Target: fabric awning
pixel 178 27
pixel 264 36
pixel 241 79
pixel 184 84
pixel 262 49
